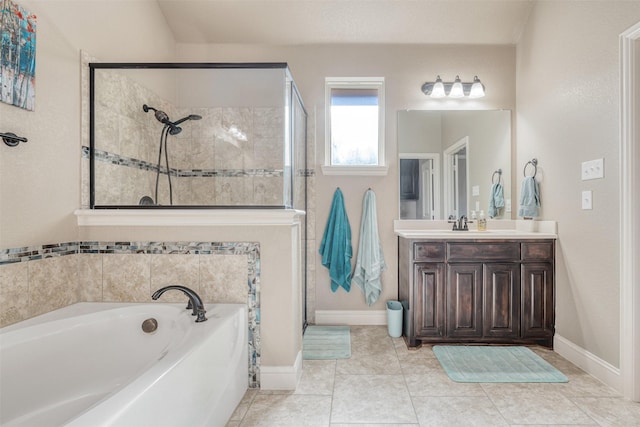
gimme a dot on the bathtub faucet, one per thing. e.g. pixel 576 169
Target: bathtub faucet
pixel 195 302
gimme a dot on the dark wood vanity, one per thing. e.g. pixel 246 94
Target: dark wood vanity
pixel 472 290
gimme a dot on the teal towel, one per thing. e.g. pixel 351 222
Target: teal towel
pixel 496 200
pixel 370 260
pixel 529 198
pixel 335 247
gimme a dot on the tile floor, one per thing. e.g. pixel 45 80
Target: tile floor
pixel 384 384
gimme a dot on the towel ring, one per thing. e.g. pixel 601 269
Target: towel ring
pixel 499 172
pixel 534 163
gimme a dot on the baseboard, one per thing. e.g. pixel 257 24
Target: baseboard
pixel 351 317
pixel 589 362
pixel 281 377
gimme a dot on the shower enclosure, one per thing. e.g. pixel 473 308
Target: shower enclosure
pixel 203 135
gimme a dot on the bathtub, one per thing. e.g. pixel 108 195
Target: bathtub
pixel 91 364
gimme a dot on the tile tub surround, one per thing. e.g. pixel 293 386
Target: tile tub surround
pixel 385 384
pixel 39 279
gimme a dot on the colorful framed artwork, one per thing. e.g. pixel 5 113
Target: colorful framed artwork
pixel 17 55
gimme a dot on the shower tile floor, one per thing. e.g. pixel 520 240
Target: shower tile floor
pixel 384 384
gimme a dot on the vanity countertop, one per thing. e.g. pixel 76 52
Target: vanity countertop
pixel 497 229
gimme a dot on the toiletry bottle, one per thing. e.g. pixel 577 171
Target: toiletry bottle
pixel 482 222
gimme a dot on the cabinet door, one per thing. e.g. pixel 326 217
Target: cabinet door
pixel 429 300
pixel 464 300
pixel 537 300
pixel 501 287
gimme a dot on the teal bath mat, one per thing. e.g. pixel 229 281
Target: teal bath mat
pixel 495 364
pixel 326 342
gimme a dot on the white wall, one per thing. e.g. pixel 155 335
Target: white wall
pixel 567 113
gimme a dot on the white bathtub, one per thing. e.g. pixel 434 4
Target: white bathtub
pixel 90 364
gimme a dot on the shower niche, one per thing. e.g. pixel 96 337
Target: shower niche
pixel 203 135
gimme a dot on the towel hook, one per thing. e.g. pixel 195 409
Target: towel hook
pixel 11 139
pixel 499 172
pixel 534 163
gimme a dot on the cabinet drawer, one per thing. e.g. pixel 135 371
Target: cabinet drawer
pixel 428 251
pixel 537 251
pixel 483 251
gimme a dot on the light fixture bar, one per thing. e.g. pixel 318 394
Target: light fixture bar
pixel 474 89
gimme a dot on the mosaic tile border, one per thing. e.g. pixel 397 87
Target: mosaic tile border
pixel 252 250
pixel 116 159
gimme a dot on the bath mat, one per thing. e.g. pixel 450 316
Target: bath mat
pixel 326 342
pixel 495 364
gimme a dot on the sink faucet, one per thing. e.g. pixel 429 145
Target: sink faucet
pixel 460 224
pixel 195 302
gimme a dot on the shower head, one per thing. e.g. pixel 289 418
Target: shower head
pixel 161 116
pixel 189 117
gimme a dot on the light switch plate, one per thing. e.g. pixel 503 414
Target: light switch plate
pixel 593 169
pixel 587 200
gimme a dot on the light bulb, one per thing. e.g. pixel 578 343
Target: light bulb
pixel 438 89
pixel 457 91
pixel 477 88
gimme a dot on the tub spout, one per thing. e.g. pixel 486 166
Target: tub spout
pixel 195 302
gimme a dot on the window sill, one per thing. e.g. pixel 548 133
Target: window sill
pixel 355 170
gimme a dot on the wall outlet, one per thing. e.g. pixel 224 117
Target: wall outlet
pixel 507 205
pixel 477 206
pixel 593 169
pixel 475 190
pixel 587 200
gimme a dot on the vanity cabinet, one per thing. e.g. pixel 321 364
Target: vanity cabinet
pixel 477 291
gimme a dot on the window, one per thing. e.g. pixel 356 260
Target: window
pixel 354 126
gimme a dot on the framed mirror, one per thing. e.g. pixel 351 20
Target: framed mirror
pixel 451 161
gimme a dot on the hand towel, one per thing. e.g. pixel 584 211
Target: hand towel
pixel 335 247
pixel 529 198
pixel 496 200
pixel 370 260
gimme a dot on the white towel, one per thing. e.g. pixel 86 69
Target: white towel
pixel 370 260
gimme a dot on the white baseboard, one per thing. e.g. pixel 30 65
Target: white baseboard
pixel 351 317
pixel 589 362
pixel 281 377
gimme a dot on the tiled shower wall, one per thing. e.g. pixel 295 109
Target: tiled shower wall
pixel 40 279
pixel 232 156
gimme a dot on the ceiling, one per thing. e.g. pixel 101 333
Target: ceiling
pixel 346 21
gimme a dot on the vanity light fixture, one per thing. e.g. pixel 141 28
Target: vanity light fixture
pixel 455 89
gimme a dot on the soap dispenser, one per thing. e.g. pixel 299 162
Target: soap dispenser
pixel 482 222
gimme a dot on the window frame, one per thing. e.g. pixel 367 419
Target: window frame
pixel 376 83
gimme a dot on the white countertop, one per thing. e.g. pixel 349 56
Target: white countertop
pixel 496 229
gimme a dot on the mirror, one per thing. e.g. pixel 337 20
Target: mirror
pixel 450 161
pixel 196 135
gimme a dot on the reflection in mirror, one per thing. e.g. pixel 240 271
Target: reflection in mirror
pixel 470 145
pixel 196 135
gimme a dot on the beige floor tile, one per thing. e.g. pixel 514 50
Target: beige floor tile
pixel 317 377
pixel 280 410
pixel 457 411
pixel 374 425
pixel 610 411
pixel 542 407
pixel 438 384
pixel 371 399
pixel 243 406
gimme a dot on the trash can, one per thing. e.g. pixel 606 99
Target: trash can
pixel 394 318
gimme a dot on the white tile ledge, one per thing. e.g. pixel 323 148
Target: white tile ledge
pixel 187 217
